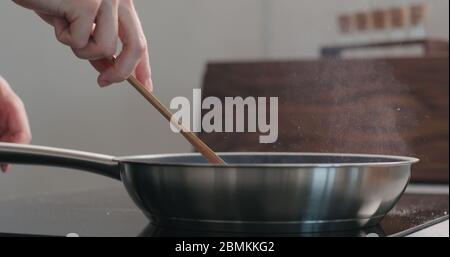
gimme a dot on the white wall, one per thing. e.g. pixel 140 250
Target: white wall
pixel 300 28
pixel 67 109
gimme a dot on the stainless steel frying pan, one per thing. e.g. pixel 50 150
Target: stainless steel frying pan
pixel 256 192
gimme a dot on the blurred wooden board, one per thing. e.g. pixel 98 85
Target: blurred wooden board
pixel 381 106
pixel 431 47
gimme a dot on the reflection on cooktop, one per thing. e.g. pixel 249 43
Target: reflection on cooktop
pixel 156 231
pixel 110 212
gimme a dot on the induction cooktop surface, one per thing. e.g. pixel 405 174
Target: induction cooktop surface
pixel 110 212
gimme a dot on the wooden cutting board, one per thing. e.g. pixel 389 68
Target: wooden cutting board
pixel 380 106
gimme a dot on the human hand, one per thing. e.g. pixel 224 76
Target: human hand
pixel 14 127
pixel 92 29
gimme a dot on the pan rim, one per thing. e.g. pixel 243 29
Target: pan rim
pixel 144 159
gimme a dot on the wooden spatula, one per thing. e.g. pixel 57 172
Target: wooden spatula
pixel 198 144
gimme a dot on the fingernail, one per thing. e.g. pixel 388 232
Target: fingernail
pixel 149 84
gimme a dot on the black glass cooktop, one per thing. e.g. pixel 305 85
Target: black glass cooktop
pixel 110 212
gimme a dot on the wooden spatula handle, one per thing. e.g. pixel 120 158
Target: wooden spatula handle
pixel 198 144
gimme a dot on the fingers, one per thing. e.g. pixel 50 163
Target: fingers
pixel 101 65
pixel 51 7
pixel 134 47
pixel 18 128
pixel 14 123
pixel 92 29
pixel 143 72
pixel 77 32
pixel 76 22
pixel 104 39
pixel 5 89
pixel 14 126
pixel 47 18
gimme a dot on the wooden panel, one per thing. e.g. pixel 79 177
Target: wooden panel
pixel 431 47
pixel 393 106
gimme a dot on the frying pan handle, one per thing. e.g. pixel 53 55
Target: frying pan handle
pixel 41 155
